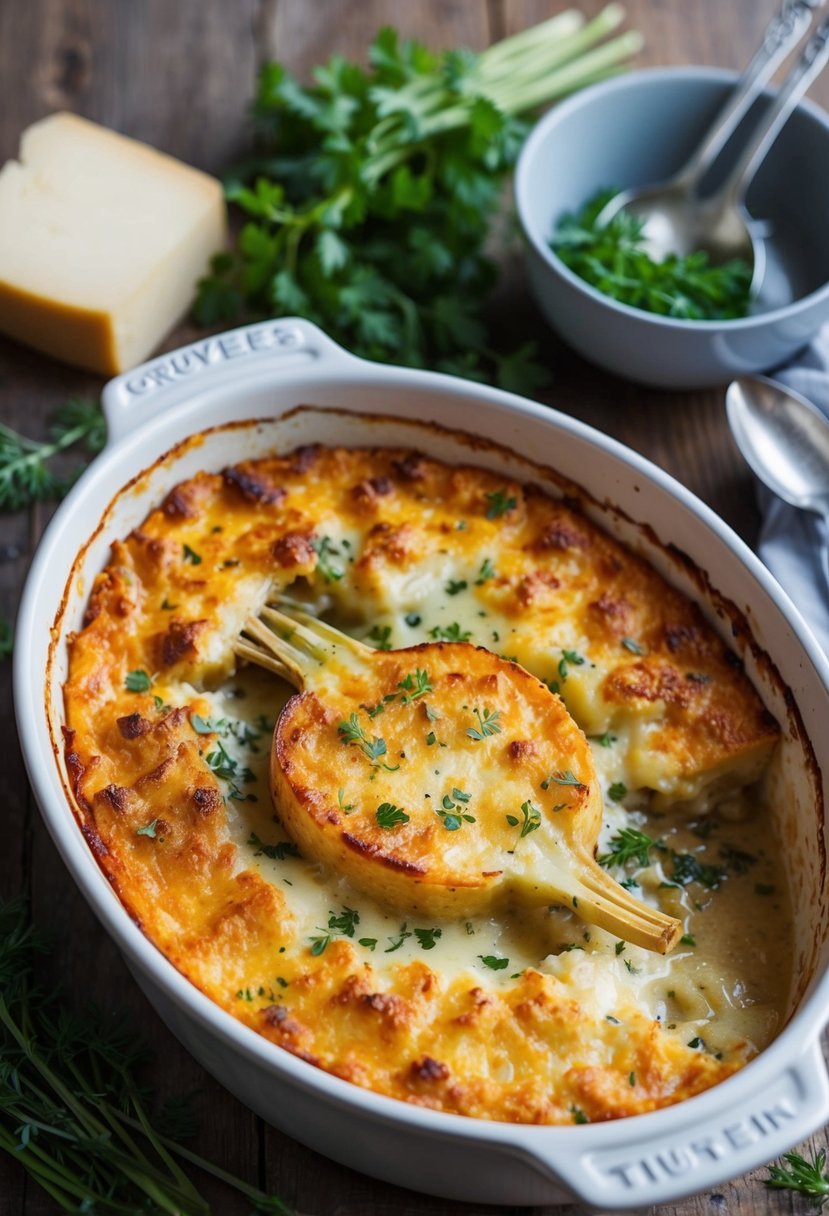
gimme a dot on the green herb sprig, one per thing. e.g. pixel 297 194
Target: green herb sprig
pixel 373 194
pixel 613 258
pixel 25 472
pixel 808 1178
pixel 72 1111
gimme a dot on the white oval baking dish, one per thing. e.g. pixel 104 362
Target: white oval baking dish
pixel 263 372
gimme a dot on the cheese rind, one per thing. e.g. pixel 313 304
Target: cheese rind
pixel 102 241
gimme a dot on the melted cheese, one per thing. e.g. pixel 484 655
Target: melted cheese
pixel 531 1015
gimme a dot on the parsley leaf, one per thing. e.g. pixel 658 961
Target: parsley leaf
pixel 494 962
pixel 499 503
pixel 629 844
pixel 488 724
pixel 450 633
pixel 390 816
pixel 138 681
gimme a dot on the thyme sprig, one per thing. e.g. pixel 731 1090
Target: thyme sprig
pixel 72 1111
pixel 808 1178
pixel 26 475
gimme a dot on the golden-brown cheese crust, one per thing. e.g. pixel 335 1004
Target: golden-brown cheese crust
pixel 169 603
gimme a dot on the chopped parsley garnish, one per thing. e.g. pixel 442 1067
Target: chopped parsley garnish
pixel 413 619
pixel 206 726
pixel 498 503
pixel 456 585
pixel 532 819
pixel 427 938
pixel 390 816
pixel 569 658
pixel 695 1043
pixel 737 859
pixel 620 947
pixel 343 923
pixel 687 939
pixel 148 829
pixel 617 791
pixel 628 844
pixel 431 739
pixel 380 635
pixel 190 555
pixel 276 852
pixel 345 807
pixel 486 572
pixel 450 633
pixel 494 962
pixel 325 550
pixel 225 767
pixel 370 943
pixel 397 942
pixel 374 710
pixel 351 731
pixel 138 681
pixel 687 869
pixel 633 646
pixel 578 1115
pixel 613 257
pixel 488 724
pixel 565 778
pixel 166 606
pixel 414 686
pixel 605 740
pixel 451 810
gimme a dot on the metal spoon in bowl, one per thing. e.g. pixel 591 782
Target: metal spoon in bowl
pixel 785 440
pixel 676 219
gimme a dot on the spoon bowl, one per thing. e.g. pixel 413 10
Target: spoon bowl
pixel 784 438
pixel 584 146
pixel 676 217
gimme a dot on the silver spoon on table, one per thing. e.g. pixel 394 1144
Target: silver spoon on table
pixel 676 219
pixel 785 440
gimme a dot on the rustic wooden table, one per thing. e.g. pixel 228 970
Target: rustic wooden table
pixel 179 75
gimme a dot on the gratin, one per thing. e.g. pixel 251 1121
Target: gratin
pixel 525 1014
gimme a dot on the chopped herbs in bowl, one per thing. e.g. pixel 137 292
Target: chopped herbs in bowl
pixel 612 256
pixel 681 324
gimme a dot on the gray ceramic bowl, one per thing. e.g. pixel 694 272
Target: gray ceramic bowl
pixel 639 128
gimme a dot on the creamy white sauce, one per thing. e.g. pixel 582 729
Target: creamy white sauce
pixel 725 984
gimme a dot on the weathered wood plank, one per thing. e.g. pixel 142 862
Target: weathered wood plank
pixel 180 77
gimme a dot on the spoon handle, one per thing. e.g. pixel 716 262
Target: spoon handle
pixel 782 33
pixel 810 64
pixel 824 549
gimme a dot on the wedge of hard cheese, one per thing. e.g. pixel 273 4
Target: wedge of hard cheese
pixel 102 241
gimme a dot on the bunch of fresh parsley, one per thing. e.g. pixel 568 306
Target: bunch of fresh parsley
pixel 613 257
pixel 372 196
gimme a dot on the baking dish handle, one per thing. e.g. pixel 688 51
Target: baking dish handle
pixel 641 1170
pixel 134 397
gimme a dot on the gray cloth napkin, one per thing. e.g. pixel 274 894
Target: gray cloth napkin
pixel 790 540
